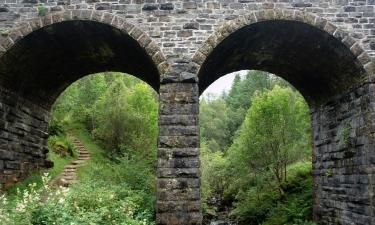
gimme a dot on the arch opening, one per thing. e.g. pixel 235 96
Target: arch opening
pixel 255 133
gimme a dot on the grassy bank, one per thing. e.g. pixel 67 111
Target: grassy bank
pixel 36 177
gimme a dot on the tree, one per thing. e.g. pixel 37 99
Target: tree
pixel 241 94
pixel 233 98
pixel 272 135
pixel 214 124
pixel 110 111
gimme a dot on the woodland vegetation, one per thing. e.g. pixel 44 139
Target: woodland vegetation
pixel 256 155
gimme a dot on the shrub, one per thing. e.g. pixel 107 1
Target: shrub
pixel 262 204
pixel 61 145
pixel 55 128
pixel 42 10
pixel 85 203
pixel 93 203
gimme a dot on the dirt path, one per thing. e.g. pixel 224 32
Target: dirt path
pixel 69 175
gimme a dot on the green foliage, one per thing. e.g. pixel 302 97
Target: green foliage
pixel 344 134
pixel 296 207
pixel 55 128
pixel 36 177
pixel 118 184
pixel 264 206
pixel 214 125
pixel 42 10
pixel 136 173
pixel 219 129
pixel 95 203
pixel 4 32
pixel 272 136
pixel 61 145
pixel 118 110
pixel 214 172
pixel 87 203
pixel 262 168
pixel 255 154
pixel 240 95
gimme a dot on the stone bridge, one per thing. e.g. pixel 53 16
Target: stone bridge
pixel 326 49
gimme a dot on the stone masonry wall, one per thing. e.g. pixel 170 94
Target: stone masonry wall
pixel 343 128
pixel 343 159
pixel 23 142
pixel 179 27
pixel 178 197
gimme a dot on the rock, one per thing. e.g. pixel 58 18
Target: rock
pixel 4 9
pixel 149 7
pixel 166 6
pixel 194 26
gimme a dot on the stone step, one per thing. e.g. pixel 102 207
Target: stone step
pixel 77 162
pixel 84 158
pixel 70 167
pixel 69 174
pixel 70 177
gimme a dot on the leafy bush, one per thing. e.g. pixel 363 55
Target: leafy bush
pixel 61 145
pixel 253 206
pixel 55 128
pixel 296 208
pixel 95 203
pixel 263 205
pixel 86 203
pixel 42 10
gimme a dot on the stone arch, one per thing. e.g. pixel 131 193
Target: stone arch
pixel 152 63
pixel 43 56
pixel 361 60
pixel 334 74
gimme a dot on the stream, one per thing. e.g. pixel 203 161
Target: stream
pixel 221 222
pixel 220 216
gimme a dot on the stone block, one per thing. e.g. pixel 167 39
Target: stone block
pixel 178 141
pixel 166 6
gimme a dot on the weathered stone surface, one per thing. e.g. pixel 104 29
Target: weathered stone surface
pixel 178 173
pixel 166 6
pixel 177 206
pixel 150 6
pixel 194 26
pixel 324 48
pixel 178 183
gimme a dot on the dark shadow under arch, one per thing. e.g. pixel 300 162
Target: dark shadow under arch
pixel 42 64
pixel 316 63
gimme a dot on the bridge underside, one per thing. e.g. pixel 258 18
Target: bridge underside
pixel 41 65
pixel 37 68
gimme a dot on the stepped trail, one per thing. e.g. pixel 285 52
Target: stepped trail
pixel 69 175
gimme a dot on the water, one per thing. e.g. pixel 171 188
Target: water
pixel 221 222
